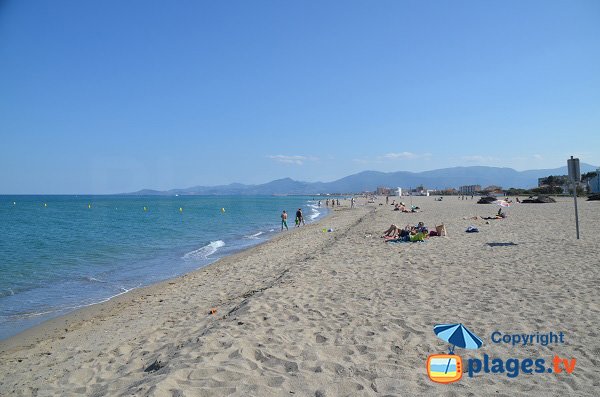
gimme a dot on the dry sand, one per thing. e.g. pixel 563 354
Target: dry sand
pixel 343 313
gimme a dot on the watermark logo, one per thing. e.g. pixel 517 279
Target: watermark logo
pixel 448 368
pixel 444 368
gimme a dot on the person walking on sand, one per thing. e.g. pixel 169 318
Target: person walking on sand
pixel 299 218
pixel 352 202
pixel 284 220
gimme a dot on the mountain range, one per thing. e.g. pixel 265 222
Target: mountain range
pixel 370 180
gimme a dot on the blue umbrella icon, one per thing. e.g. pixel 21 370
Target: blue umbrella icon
pixel 458 335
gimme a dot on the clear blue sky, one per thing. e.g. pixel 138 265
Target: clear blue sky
pixel 115 96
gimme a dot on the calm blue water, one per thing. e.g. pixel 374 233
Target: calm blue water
pixel 60 253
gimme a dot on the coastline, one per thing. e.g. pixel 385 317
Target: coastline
pixel 340 313
pixel 56 325
pixel 101 261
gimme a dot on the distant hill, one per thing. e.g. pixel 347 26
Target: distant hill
pixel 370 180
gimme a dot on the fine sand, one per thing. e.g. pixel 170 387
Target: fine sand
pixel 342 313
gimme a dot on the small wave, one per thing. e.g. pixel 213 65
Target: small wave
pixel 254 236
pixel 64 309
pixel 93 279
pixel 204 252
pixel 6 292
pixel 315 214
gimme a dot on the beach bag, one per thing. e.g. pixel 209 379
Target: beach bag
pixel 441 230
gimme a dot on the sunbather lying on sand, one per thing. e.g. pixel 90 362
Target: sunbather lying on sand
pixel 499 215
pixel 395 232
pixel 409 233
pixel 392 231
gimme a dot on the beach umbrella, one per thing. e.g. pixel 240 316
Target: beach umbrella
pixel 457 335
pixel 502 203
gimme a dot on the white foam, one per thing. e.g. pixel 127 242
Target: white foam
pixel 254 236
pixel 314 214
pixel 204 252
pixel 93 279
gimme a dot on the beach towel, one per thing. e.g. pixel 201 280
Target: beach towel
pixel 399 241
pixel 418 237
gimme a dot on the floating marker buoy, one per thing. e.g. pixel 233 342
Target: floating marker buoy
pixel 14 203
pixel 180 209
pixel 45 205
pixel 89 206
pixel 222 209
pixel 145 209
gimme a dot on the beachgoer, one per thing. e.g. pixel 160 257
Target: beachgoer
pixel 387 199
pixel 284 220
pixel 392 231
pixel 319 203
pixel 299 217
pixel 338 201
pixel 352 202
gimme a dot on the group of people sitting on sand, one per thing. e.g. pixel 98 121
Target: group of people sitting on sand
pixel 402 207
pixel 410 233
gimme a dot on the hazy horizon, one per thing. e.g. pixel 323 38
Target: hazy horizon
pixel 264 182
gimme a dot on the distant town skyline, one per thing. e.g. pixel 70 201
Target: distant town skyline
pixel 116 97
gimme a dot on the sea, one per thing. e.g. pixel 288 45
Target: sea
pixel 62 253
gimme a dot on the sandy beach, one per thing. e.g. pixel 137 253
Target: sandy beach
pixel 341 313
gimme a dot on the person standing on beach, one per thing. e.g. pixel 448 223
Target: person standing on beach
pixel 284 220
pixel 352 202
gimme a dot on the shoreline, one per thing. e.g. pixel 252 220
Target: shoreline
pixel 341 313
pixel 234 243
pixel 55 325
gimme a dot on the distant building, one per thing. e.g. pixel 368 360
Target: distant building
pixel 594 183
pixel 384 191
pixel 399 192
pixel 469 189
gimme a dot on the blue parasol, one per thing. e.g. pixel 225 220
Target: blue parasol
pixel 458 335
